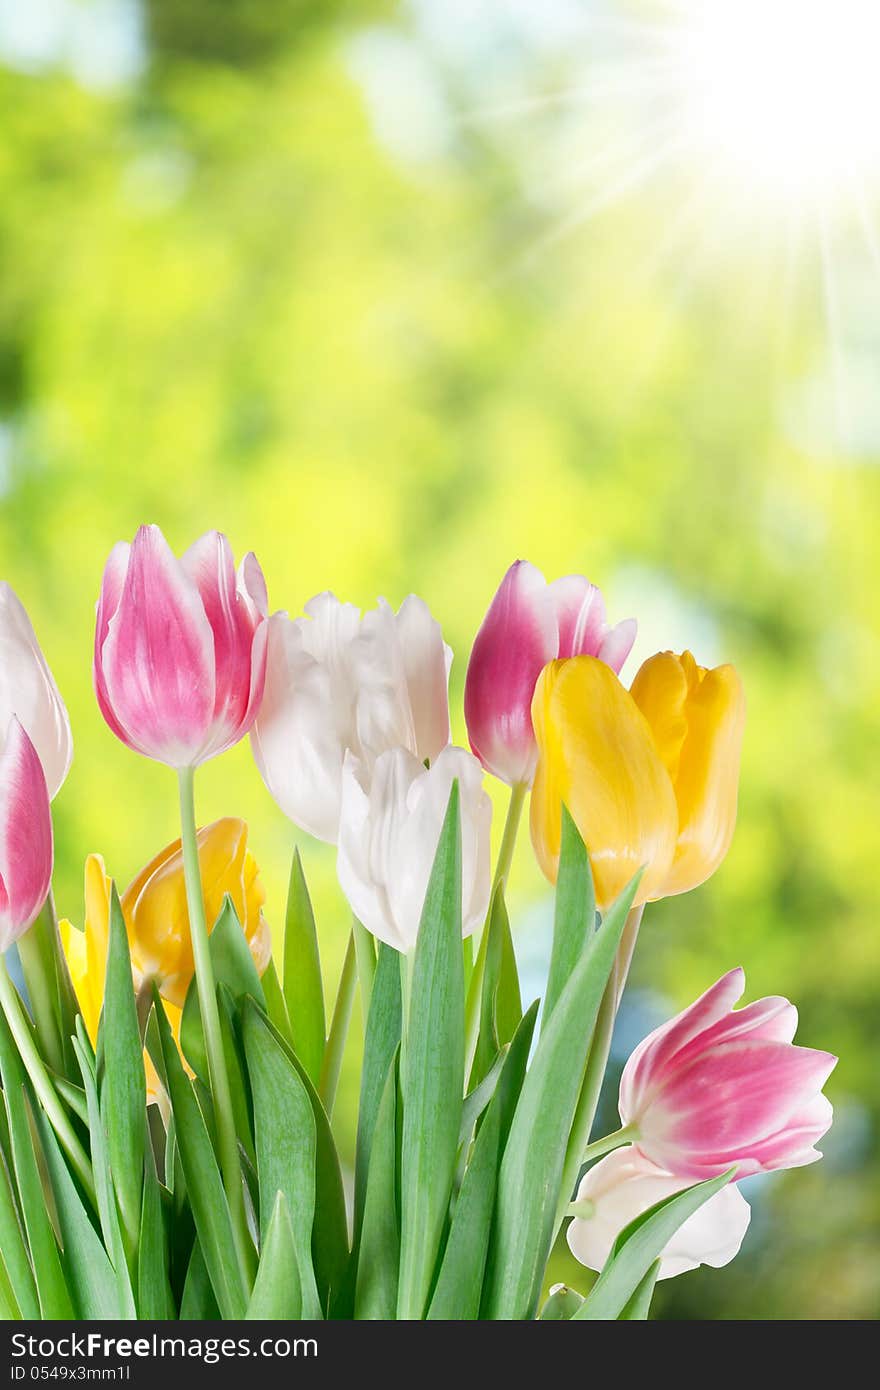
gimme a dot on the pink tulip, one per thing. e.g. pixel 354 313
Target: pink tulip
pixel 529 623
pixel 25 835
pixel 180 647
pixel 714 1088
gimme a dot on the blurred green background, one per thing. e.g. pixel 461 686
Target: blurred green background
pixel 352 282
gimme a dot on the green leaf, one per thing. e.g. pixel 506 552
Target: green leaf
pixel 108 1213
pixel 203 1183
pixel 198 1303
pixel 639 1245
pixel 235 1071
pixel 575 911
pixel 532 1167
pixel 123 1093
pixel 53 1001
pixel 277 1296
pixel 92 1276
pixel 14 1250
pixel 639 1306
pixel 276 1008
pixel 476 1101
pixel 233 967
pixel 380 1044
pixel 52 1291
pixel 433 1072
pixel 379 1248
pixel 500 1003
pixel 9 1309
pixel 286 1144
pixel 460 1282
pixel 562 1305
pixel 303 987
pixel 155 1299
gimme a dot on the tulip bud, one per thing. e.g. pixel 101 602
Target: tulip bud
pixel 338 682
pixel 697 718
pixel 625 1184
pixel 28 691
pixel 597 755
pixel 180 647
pixel 25 835
pixel 716 1088
pixel 389 829
pixel 530 622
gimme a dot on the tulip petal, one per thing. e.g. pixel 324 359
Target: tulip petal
pixel 625 1184
pixel 618 643
pixel 580 616
pixel 112 584
pixel 25 835
pixel 234 617
pixel 158 655
pixel 647 1066
pixel 518 636
pixel 426 661
pixel 597 756
pixel 28 691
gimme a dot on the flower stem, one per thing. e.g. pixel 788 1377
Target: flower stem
pixel 332 1063
pixel 227 1140
pixel 626 1135
pixel 39 1077
pixel 365 954
pixel 518 793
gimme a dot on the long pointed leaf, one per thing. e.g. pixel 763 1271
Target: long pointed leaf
pixel 302 984
pixel 433 1072
pixel 575 911
pixel 380 1044
pixel 379 1249
pixel 277 1296
pixel 534 1156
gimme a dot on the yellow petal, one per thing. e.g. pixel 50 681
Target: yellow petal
pixel 597 755
pixel 673 691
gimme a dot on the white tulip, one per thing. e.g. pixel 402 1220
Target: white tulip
pixel 28 691
pixel 337 682
pixel 389 829
pixel 624 1184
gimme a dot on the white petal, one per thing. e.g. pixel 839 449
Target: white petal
pixel 426 660
pixel 28 691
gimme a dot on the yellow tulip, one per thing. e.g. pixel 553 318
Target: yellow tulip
pixel 596 754
pixel 697 718
pixel 649 775
pixel 154 908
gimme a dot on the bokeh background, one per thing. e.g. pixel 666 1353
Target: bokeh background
pixel 394 294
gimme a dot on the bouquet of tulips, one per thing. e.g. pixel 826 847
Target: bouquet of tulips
pixel 168 1070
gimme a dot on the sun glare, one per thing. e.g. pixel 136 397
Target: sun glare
pixel 786 91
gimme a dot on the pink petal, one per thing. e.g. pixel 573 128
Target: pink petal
pixel 618 643
pixel 158 656
pixel 112 585
pixel 516 640
pixel 580 615
pixel 252 585
pixel 25 835
pixel 234 615
pixel 647 1066
pixel 728 1101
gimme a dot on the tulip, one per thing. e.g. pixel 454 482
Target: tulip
pixel 338 682
pixel 530 622
pixel 625 1184
pixel 180 647
pixel 28 691
pixel 389 829
pixel 25 835
pixel 697 718
pixel 155 908
pixel 717 1087
pixel 597 755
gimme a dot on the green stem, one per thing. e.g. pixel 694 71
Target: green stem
pixel 518 794
pixel 227 1140
pixel 365 953
pixel 626 1135
pixel 36 1070
pixel 332 1063
pixel 34 952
